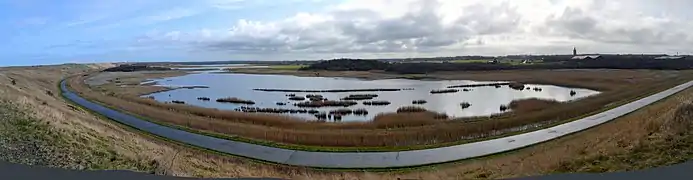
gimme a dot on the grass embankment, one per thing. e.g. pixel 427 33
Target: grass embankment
pixel 27 140
pixel 38 129
pixel 405 133
pixel 666 142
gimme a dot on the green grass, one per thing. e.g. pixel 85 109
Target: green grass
pixel 286 67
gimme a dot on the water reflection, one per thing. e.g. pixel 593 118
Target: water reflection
pixel 484 100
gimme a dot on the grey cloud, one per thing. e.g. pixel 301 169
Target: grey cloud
pixel 580 24
pixel 363 30
pixel 422 29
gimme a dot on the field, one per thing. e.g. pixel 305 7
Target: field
pixel 638 140
pixel 470 61
pixel 396 131
pixel 286 67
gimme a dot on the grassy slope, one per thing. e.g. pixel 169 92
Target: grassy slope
pixel 27 140
pixel 667 142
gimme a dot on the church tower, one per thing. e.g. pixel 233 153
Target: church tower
pixel 574 51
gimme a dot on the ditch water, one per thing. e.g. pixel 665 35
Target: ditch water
pixel 484 100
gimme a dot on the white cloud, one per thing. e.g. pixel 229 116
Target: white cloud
pixel 453 27
pixel 171 14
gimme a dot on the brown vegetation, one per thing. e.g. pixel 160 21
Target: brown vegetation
pixel 530 105
pixel 295 131
pixel 411 109
pixel 479 85
pixel 408 119
pixel 235 100
pixel 376 103
pixel 419 102
pixel 357 97
pixel 296 98
pixel 316 104
pixel 516 86
pixel 442 91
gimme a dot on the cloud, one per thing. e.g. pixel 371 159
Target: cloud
pixel 625 27
pixel 449 27
pixel 171 14
pixel 227 4
pixel 419 27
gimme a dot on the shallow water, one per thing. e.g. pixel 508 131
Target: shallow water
pixel 484 100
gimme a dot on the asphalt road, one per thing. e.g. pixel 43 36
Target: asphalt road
pixel 372 159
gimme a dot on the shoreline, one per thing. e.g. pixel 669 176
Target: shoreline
pixel 569 78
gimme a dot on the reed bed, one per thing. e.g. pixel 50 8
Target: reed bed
pixel 317 104
pixel 530 105
pixel 357 97
pixel 235 100
pixel 411 109
pixel 444 91
pixel 376 103
pixel 419 102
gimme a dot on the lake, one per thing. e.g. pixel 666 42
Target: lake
pixel 484 100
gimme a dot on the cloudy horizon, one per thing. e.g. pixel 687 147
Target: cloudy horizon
pixel 45 32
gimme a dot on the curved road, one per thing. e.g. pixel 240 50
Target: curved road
pixel 371 159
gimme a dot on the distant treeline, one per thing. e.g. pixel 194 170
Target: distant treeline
pixel 194 63
pixel 564 62
pixel 131 68
pixel 348 65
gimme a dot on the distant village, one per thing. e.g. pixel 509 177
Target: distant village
pixel 530 59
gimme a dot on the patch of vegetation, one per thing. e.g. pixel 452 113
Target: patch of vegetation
pixel 287 67
pixel 132 68
pixel 530 105
pixel 235 100
pixel 470 61
pixel 411 109
pixel 348 65
pixel 670 142
pixel 26 140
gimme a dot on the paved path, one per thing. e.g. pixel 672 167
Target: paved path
pixel 372 159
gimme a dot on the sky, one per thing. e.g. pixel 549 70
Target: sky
pixel 85 31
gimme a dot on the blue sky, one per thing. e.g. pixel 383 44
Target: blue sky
pixel 83 31
pixel 57 31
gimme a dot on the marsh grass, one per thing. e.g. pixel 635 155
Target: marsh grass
pixel 530 105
